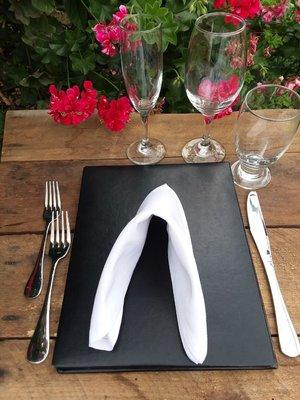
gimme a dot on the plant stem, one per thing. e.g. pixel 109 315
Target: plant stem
pixel 68 73
pixel 178 75
pixel 89 11
pixel 107 80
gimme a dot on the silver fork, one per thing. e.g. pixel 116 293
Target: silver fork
pixel 60 241
pixel 52 203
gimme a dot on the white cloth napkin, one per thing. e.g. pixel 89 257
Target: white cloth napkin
pixel 119 267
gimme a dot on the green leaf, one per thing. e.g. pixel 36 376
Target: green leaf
pixel 24 11
pixel 155 11
pixel 273 39
pixel 46 6
pixel 59 49
pixel 24 82
pixel 101 11
pixel 84 63
pixel 76 12
pixel 170 28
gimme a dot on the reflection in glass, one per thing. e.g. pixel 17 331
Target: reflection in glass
pixel 267 123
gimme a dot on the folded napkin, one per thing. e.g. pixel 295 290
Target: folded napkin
pixel 119 267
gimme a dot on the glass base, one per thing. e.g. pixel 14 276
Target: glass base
pixel 197 152
pixel 249 177
pixel 146 152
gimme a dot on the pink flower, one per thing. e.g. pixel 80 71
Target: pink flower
pixel 71 107
pixel 119 15
pixel 293 83
pixel 250 59
pixel 268 14
pixel 115 113
pixel 232 47
pixel 109 35
pixel 268 51
pixel 297 16
pixel 253 41
pixel 236 62
pixel 267 17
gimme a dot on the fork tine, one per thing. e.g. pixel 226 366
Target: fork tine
pixel 58 196
pixel 46 195
pixel 54 195
pixel 68 228
pixel 50 195
pixel 62 229
pixel 57 240
pixel 52 230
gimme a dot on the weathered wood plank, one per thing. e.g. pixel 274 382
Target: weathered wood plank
pixel 32 135
pixel 18 315
pixel 21 380
pixel 22 192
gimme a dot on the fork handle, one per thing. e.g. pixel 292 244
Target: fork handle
pixel 38 348
pixel 35 282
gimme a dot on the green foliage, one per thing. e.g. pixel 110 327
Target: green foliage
pixel 51 41
pixel 277 100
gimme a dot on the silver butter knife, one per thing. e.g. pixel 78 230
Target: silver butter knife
pixel 288 339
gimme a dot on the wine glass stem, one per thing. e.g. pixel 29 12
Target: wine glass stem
pixel 206 136
pixel 145 138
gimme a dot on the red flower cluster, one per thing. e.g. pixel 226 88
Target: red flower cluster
pixel 242 8
pixel 108 35
pixel 71 107
pixel 219 91
pixel 115 113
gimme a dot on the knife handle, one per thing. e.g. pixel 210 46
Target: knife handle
pixel 288 339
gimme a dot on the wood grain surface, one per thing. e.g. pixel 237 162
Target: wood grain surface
pixel 33 136
pixel 35 149
pixel 22 381
pixel 22 191
pixel 18 314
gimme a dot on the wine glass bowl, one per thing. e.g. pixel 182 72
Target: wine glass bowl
pixel 267 123
pixel 214 76
pixel 142 66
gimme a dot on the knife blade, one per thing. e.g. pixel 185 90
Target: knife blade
pixel 288 339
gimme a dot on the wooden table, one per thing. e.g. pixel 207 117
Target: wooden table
pixel 35 150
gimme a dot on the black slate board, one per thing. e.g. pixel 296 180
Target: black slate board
pixel 238 335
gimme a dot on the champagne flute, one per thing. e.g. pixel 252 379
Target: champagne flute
pixel 142 65
pixel 214 76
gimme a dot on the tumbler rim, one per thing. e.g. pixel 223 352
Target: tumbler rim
pixel 274 119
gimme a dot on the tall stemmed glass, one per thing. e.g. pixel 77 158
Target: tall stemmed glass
pixel 214 76
pixel 142 65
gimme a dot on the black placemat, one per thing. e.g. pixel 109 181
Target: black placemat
pixel 238 336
